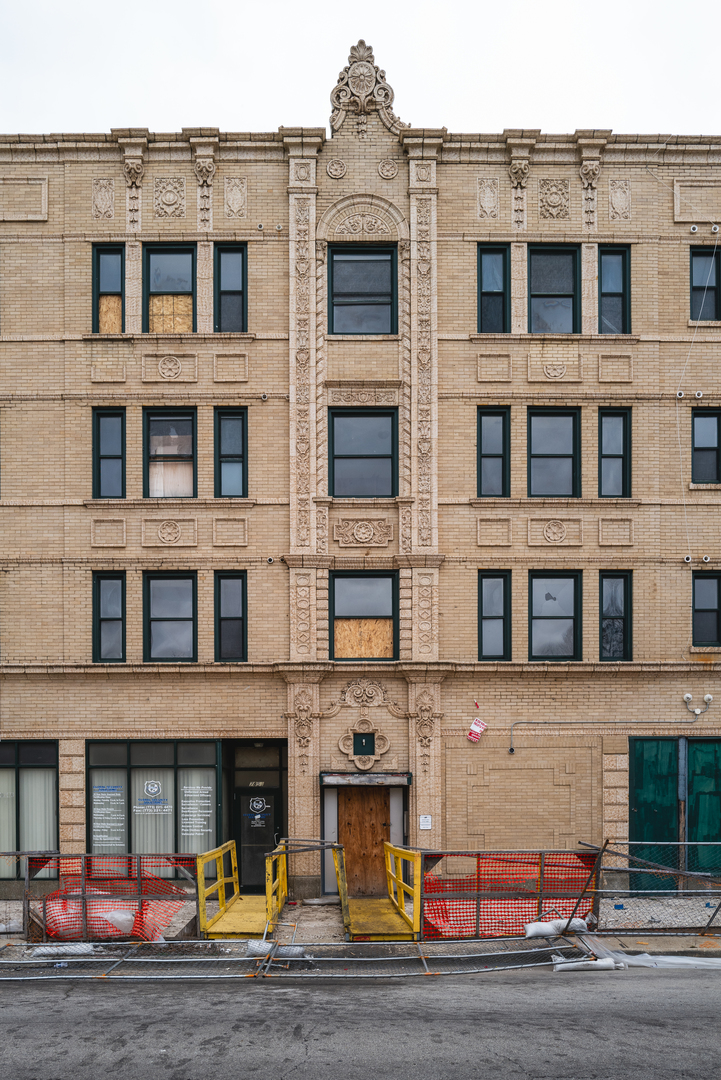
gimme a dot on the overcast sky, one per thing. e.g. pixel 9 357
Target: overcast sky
pixel 558 65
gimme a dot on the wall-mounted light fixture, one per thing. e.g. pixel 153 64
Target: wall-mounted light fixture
pixel 688 698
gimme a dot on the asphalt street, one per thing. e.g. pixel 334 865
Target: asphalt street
pixel 526 1025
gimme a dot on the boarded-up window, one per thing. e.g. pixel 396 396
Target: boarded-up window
pixel 363 616
pixel 170 287
pixel 170 315
pixel 109 282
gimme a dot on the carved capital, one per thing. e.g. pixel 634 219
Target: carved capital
pixel 204 171
pixel 134 170
pixel 518 171
pixel 589 173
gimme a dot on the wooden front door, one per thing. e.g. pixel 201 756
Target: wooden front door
pixel 364 822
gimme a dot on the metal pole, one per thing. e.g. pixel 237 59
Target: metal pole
pixel 590 878
pixel 84 897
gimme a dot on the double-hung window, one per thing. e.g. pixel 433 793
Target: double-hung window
pixel 706 609
pixel 705 304
pixel 554 293
pixel 231 481
pixel 614 306
pixel 108 453
pixel 230 620
pixel 614 453
pixel 169 289
pixel 706 464
pixel 362 286
pixel 108 289
pixel 494 615
pixel 555 615
pixel 108 617
pixel 493 453
pixel 364 616
pixel 363 459
pixel 615 622
pixel 494 287
pixel 171 625
pixel 554 453
pixel 230 288
pixel 169 454
pixel 28 802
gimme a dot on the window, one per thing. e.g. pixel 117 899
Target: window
pixel 152 797
pixel 705 284
pixel 108 618
pixel 614 453
pixel 555 616
pixel 170 605
pixel 554 293
pixel 169 289
pixel 706 465
pixel 108 453
pixel 706 628
pixel 230 289
pixel 553 453
pixel 363 458
pixel 169 457
pixel 230 453
pixel 614 307
pixel 28 802
pixel 494 288
pixel 615 603
pixel 108 289
pixel 494 615
pixel 230 621
pixel 362 290
pixel 493 453
pixel 364 610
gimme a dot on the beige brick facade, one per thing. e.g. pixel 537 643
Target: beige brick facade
pixel 435 196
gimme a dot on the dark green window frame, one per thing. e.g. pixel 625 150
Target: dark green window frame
pixel 220 618
pixel 98 457
pixel 107 249
pixel 488 612
pixel 551 249
pixel 706 452
pixel 162 249
pixel 575 456
pixel 393 414
pixel 392 301
pixel 393 575
pixel 489 322
pixel 98 619
pixel 123 760
pixel 706 611
pixel 16 755
pixel 624 456
pixel 220 458
pixel 242 250
pixel 185 575
pixel 185 414
pixel 577 577
pixel 491 453
pixel 705 287
pixel 611 621
pixel 612 296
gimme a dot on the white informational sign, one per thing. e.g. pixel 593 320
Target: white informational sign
pixel 426 821
pixel 109 816
pixel 196 810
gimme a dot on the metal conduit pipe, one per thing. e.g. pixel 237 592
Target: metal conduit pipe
pixel 597 723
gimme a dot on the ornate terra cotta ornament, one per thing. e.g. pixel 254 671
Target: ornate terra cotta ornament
pixel 589 173
pixel 518 171
pixel 169 532
pixel 488 197
pixel 425 724
pixel 103 198
pixel 169 197
pixel 363 223
pixel 387 169
pixel 303 705
pixel 235 196
pixel 362 89
pixel 554 532
pixel 554 371
pixel 169 367
pixel 364 762
pixel 336 169
pixel 365 533
pixel 619 200
pixel 134 171
pixel 554 199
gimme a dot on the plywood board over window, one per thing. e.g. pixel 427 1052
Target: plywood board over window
pixel 364 638
pixel 110 314
pixel 170 314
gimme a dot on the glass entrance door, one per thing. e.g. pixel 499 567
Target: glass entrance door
pixel 257 831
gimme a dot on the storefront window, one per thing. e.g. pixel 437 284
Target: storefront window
pixel 28 801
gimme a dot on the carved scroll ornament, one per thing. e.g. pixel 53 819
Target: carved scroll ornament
pixel 361 89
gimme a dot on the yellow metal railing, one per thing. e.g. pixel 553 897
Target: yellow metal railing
pixel 205 893
pixel 398 889
pixel 276 885
pixel 339 863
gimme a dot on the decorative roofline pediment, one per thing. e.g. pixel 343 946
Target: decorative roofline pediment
pixel 362 89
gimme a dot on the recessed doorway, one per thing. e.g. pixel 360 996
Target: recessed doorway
pixel 255 774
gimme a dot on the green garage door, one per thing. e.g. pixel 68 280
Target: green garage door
pixel 704 801
pixel 653 817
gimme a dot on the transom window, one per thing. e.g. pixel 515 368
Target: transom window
pixel 170 617
pixel 553 453
pixel 364 616
pixel 362 290
pixel 706 464
pixel 706 628
pixel 493 290
pixel 555 616
pixel 554 291
pixel 170 454
pixel 363 453
pixel 705 285
pixel 169 290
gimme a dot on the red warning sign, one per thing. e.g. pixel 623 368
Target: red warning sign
pixel 477 729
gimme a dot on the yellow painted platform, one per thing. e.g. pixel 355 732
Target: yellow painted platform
pixel 377 920
pixel 244 917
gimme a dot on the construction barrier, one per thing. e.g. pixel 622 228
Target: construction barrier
pixel 276 884
pixel 218 880
pixel 403 865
